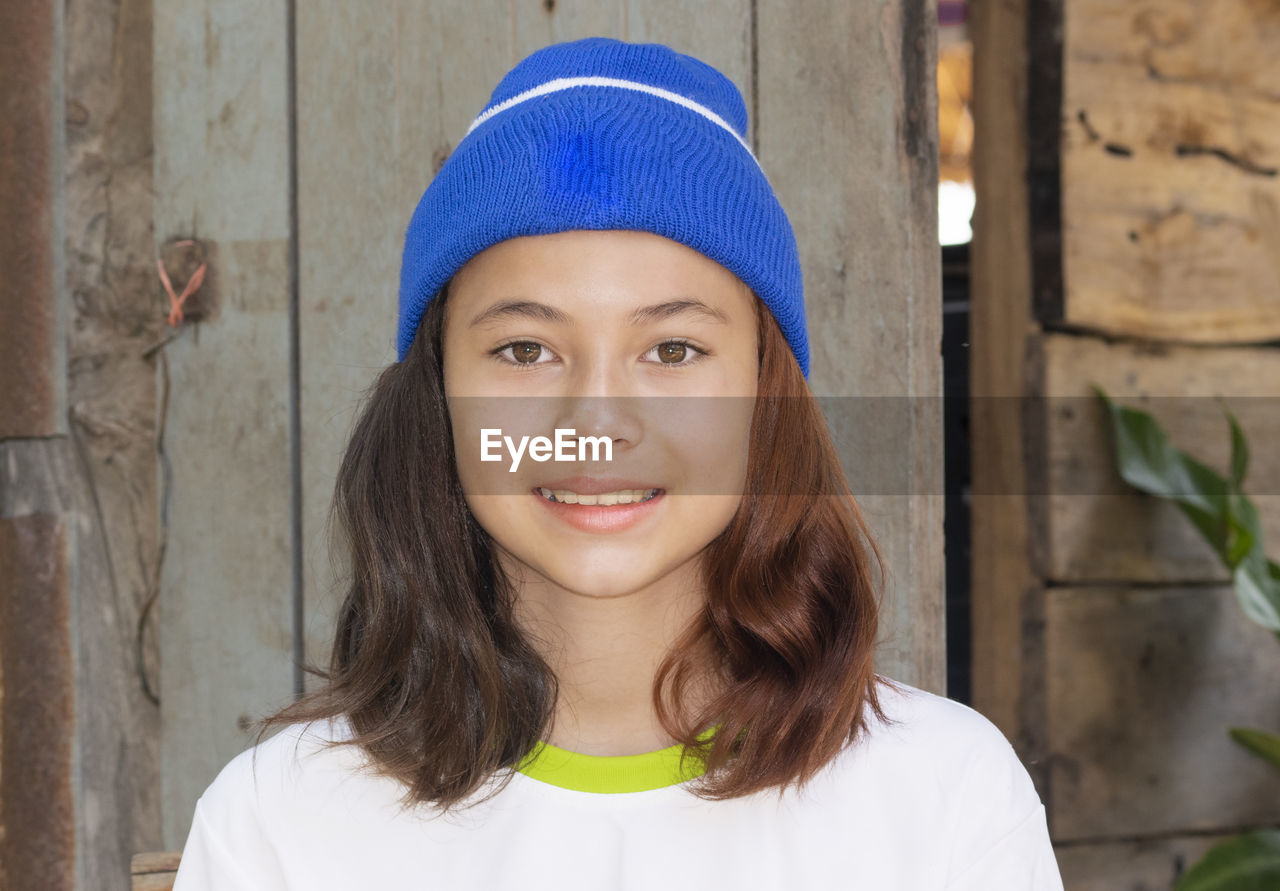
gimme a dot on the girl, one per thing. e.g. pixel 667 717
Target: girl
pixel 611 613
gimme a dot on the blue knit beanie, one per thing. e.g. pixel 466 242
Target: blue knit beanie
pixel 603 134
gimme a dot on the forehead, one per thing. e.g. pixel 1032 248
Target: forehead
pixel 617 266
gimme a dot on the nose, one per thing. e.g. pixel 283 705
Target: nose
pixel 598 401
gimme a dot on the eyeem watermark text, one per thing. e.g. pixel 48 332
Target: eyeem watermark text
pixel 543 448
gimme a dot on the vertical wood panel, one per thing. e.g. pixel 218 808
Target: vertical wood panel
pixel 221 176
pixel 39 788
pixel 382 101
pixel 114 315
pixel 537 23
pixel 78 780
pixel 1004 586
pixel 37 696
pixel 848 136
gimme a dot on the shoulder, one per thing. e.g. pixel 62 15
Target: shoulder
pixel 918 717
pixel 952 743
pixel 992 827
pixel 257 783
pixel 956 761
pixel 236 825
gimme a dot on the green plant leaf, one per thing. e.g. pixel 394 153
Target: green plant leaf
pixel 1148 461
pixel 1239 450
pixel 1256 578
pixel 1257 590
pixel 1265 745
pixel 1250 862
pixel 1241 537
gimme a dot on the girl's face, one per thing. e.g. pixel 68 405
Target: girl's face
pixel 588 337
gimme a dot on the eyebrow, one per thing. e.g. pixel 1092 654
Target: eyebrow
pixel 532 309
pixel 679 306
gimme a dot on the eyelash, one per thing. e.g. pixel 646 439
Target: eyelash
pixel 698 353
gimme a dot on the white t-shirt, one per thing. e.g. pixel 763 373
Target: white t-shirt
pixel 939 803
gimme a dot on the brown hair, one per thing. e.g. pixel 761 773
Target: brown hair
pixel 442 688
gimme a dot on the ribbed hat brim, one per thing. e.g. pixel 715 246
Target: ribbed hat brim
pixel 593 157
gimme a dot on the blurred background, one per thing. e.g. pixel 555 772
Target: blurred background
pixel 999 205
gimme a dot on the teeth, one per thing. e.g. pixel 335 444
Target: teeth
pixel 622 496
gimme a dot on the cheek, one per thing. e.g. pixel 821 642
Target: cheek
pixel 495 515
pixel 466 450
pixel 708 439
pixel 485 431
pixel 698 520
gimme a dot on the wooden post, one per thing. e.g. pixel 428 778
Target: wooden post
pixel 78 746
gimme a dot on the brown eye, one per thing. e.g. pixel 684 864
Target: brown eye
pixel 526 353
pixel 672 353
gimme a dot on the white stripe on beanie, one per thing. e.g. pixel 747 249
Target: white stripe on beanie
pixel 564 83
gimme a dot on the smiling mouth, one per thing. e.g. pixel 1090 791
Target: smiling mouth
pixel 621 496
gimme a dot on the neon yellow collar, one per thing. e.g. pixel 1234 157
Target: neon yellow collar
pixel 610 773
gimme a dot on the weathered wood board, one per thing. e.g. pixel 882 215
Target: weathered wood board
pixel 154 870
pixel 1100 529
pixel 1142 685
pixel 1144 865
pixel 1005 620
pixel 1170 169
pixel 221 176
pixel 847 114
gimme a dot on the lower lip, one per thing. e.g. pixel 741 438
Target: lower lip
pixel 601 517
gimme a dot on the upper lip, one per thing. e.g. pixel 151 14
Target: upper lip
pixel 595 485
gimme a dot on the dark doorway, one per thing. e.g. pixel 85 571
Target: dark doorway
pixel 956 523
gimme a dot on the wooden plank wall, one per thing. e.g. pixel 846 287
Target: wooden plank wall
pixel 1125 166
pixel 845 94
pixel 221 177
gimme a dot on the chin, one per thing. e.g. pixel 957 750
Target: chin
pixel 602 586
pixel 606 573
pixel 601 569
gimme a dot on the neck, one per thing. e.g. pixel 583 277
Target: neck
pixel 605 652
